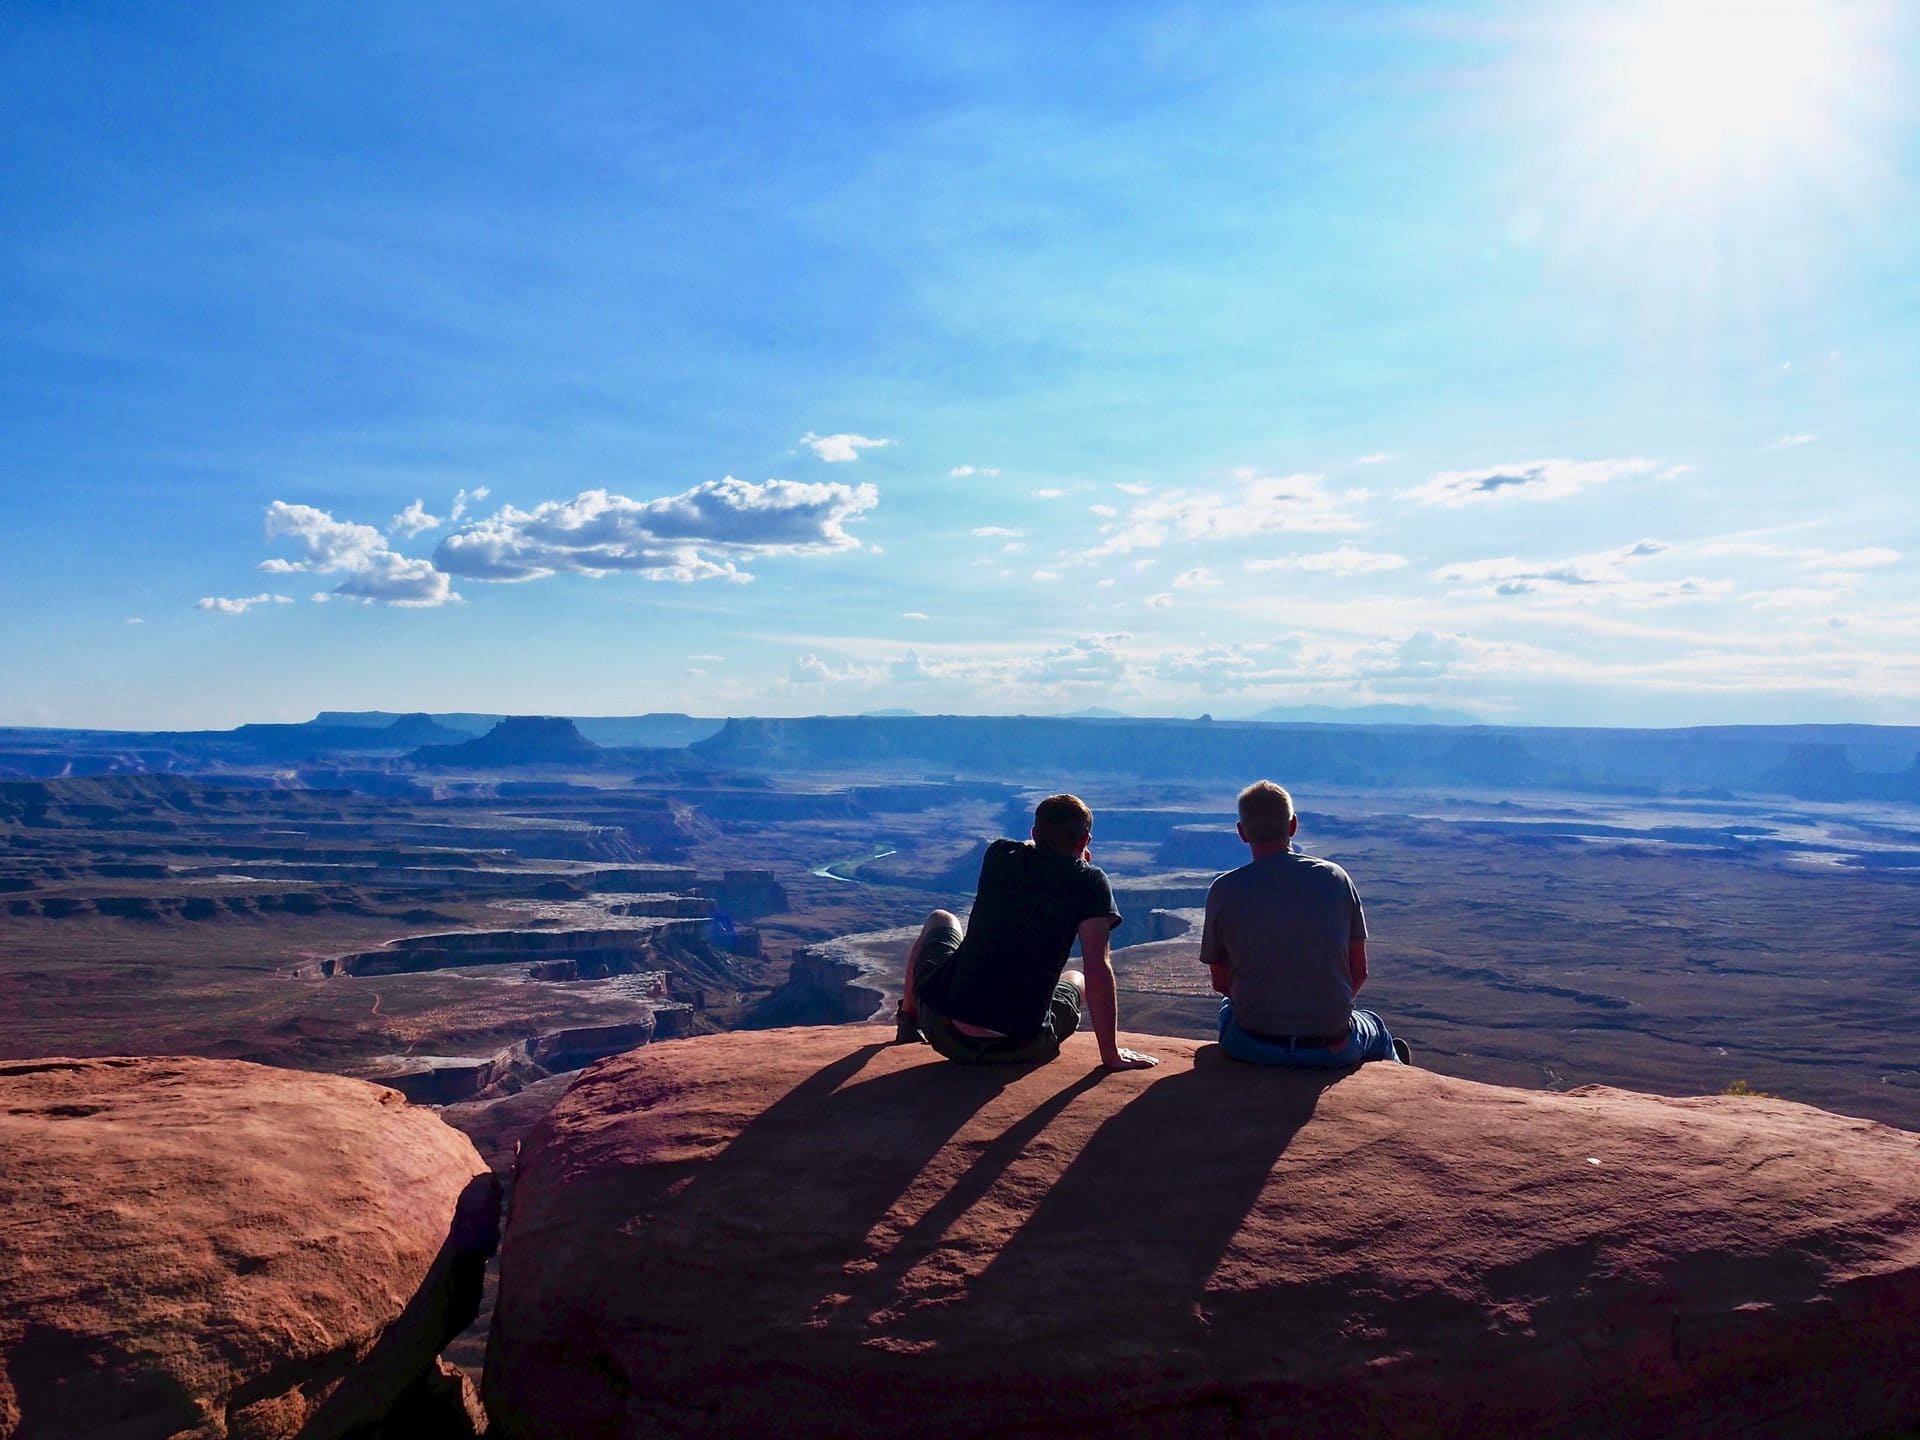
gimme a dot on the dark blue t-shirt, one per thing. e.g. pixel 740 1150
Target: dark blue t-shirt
pixel 1027 909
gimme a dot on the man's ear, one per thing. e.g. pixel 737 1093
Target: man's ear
pixel 1293 826
pixel 1241 831
pixel 1034 834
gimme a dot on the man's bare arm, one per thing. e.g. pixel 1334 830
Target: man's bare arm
pixel 1103 998
pixel 1357 962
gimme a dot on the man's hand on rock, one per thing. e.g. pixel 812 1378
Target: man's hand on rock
pixel 1124 1059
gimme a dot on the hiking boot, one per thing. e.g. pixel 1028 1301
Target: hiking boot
pixel 906 1029
pixel 1402 1051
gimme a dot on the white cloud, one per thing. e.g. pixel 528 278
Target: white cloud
pixel 1126 487
pixel 1013 547
pixel 1160 601
pixel 465 498
pixel 1605 573
pixel 1050 493
pixel 913 615
pixel 1533 479
pixel 1378 457
pixel 699 534
pixel 1258 504
pixel 810 669
pixel 1106 512
pixel 373 572
pixel 412 520
pixel 327 544
pixel 987 532
pixel 1345 560
pixel 705 659
pixel 221 605
pixel 1046 577
pixel 1090 660
pixel 1213 668
pixel 1872 557
pixel 837 449
pixel 961 472
pixel 1187 579
pixel 136 620
pixel 1787 442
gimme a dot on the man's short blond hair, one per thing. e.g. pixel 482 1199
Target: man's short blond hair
pixel 1266 812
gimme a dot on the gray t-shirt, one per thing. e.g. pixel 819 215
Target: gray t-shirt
pixel 1281 925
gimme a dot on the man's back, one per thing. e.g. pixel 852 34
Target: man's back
pixel 1283 926
pixel 1027 908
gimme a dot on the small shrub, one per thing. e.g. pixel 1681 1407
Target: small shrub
pixel 1741 1087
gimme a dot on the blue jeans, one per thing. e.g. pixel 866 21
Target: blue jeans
pixel 1367 1039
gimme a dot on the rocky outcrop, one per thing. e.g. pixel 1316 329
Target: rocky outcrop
pixel 810 1232
pixel 517 740
pixel 205 1249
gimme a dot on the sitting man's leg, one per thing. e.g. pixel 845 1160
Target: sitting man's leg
pixel 939 937
pixel 1063 1018
pixel 1367 1039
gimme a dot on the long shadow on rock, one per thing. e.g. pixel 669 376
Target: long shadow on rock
pixel 802 1185
pixel 1118 1254
pixel 881 1284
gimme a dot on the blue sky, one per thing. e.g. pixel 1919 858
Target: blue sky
pixel 1553 363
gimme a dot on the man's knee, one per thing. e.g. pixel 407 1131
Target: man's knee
pixel 940 920
pixel 1076 979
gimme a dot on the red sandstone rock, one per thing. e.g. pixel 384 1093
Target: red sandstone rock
pixel 807 1233
pixel 205 1248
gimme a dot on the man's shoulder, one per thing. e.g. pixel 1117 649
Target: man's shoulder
pixel 1290 869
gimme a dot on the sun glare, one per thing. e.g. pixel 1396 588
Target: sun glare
pixel 1699 86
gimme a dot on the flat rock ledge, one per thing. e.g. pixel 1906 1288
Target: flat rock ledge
pixel 211 1249
pixel 808 1232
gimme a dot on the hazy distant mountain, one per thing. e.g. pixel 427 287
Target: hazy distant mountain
pixel 516 740
pixel 893 714
pixel 1096 712
pixel 660 729
pixel 1365 715
pixel 396 733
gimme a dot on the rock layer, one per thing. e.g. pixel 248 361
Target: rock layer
pixel 209 1249
pixel 807 1232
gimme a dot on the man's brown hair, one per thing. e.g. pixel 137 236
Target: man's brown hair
pixel 1063 823
pixel 1266 812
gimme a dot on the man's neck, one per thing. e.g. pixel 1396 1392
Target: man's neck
pixel 1263 848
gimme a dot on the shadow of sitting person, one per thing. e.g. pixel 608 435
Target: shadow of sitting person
pixel 1118 1253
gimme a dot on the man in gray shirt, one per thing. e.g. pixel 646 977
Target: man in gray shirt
pixel 1286 942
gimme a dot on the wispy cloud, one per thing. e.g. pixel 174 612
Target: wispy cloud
pixel 414 519
pixel 837 449
pixel 1787 442
pixel 1255 504
pixel 1188 579
pixel 466 498
pixel 961 472
pixel 1344 561
pixel 1532 479
pixel 986 532
pixel 221 605
pixel 1605 573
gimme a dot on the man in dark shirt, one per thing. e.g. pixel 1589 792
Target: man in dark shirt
pixel 999 990
pixel 1286 943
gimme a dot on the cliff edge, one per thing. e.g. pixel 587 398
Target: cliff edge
pixel 212 1250
pixel 808 1232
